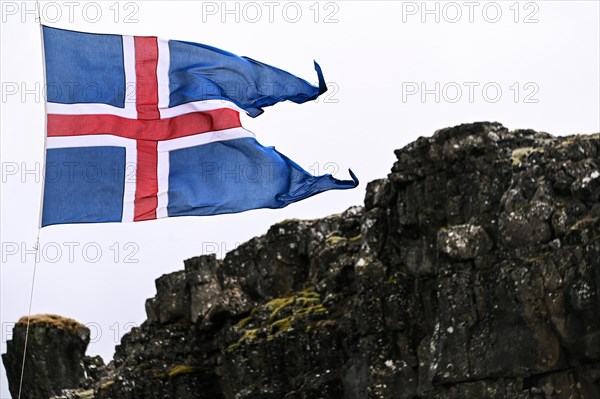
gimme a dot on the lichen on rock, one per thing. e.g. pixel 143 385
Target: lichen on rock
pixel 471 271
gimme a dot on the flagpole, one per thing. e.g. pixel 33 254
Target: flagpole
pixel 43 169
pixel 39 226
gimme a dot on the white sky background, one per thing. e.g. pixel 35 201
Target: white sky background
pixel 369 51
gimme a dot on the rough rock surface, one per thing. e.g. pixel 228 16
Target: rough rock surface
pixel 55 356
pixel 472 271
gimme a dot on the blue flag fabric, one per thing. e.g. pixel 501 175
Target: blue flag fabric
pixel 140 128
pixel 200 72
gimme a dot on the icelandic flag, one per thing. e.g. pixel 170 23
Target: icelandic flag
pixel 140 128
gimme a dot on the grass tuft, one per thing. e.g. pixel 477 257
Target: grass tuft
pixel 52 320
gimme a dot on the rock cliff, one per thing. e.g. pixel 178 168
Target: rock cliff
pixel 471 271
pixel 55 357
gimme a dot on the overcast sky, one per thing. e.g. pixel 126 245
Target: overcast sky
pixel 396 71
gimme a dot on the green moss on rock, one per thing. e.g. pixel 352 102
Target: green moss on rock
pixel 52 320
pixel 278 316
pixel 181 369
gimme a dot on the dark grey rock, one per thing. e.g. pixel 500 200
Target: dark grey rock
pixel 472 271
pixel 55 356
pixel 464 241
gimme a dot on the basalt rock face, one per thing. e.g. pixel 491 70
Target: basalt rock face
pixel 54 360
pixel 471 271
